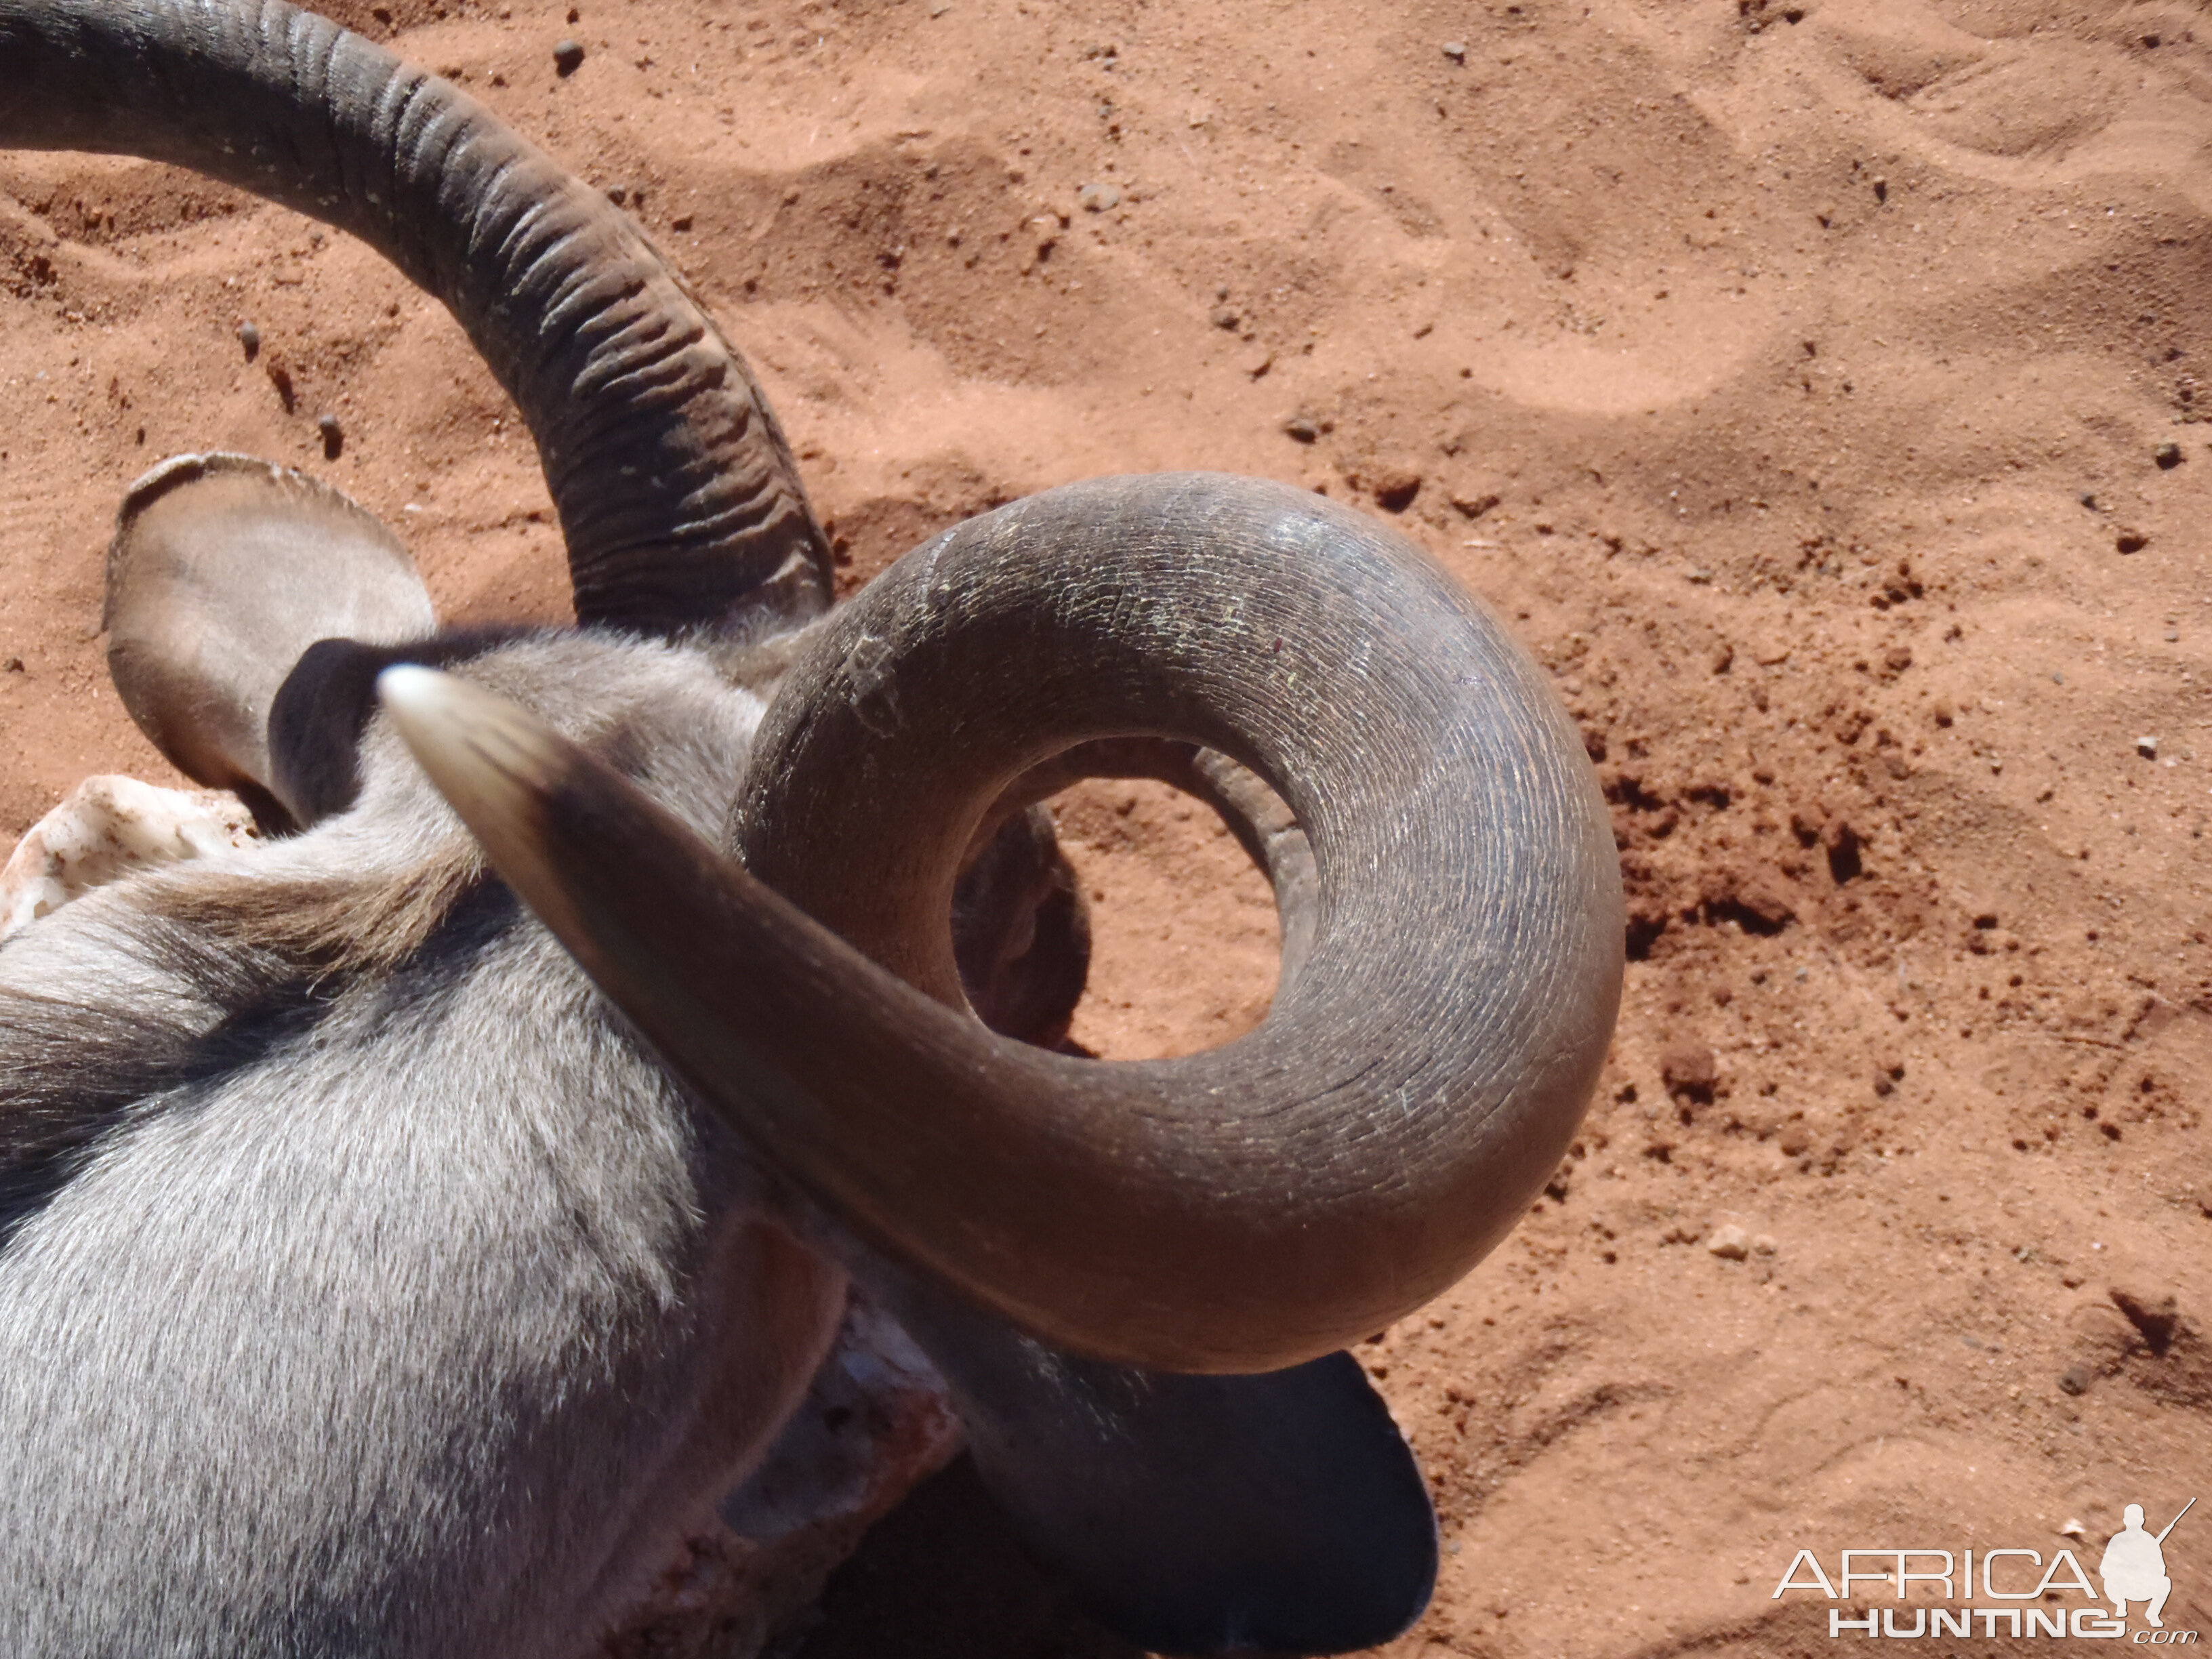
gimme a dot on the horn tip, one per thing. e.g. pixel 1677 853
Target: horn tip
pixel 482 750
pixel 408 686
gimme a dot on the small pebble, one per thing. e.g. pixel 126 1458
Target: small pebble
pixel 1304 428
pixel 2168 457
pixel 333 437
pixel 1456 50
pixel 1730 1243
pixel 13 666
pixel 2131 541
pixel 1763 1244
pixel 2073 1528
pixel 2147 747
pixel 2075 1379
pixel 1097 198
pixel 1224 316
pixel 250 338
pixel 568 57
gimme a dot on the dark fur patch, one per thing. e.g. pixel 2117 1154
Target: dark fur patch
pixel 72 1073
pixel 262 960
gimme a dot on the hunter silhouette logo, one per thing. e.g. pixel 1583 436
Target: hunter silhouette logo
pixel 2134 1568
pixel 2026 1594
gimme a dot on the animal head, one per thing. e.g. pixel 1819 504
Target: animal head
pixel 798 847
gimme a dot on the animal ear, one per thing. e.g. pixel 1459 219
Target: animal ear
pixel 224 572
pixel 1193 1514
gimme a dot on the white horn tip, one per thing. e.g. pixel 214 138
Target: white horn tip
pixel 485 754
pixel 410 691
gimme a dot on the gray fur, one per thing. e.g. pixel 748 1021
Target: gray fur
pixel 366 1312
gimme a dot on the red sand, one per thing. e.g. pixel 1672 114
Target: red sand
pixel 1794 380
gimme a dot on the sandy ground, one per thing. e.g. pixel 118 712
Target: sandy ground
pixel 1816 389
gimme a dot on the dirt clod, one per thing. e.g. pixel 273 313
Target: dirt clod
pixel 1691 1071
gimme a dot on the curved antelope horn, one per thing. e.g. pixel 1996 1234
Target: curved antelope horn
pixel 676 491
pixel 1420 1072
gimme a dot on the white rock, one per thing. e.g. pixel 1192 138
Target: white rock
pixel 105 828
pixel 1730 1243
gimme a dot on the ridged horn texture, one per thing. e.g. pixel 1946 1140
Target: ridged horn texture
pixel 677 492
pixel 1422 1070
